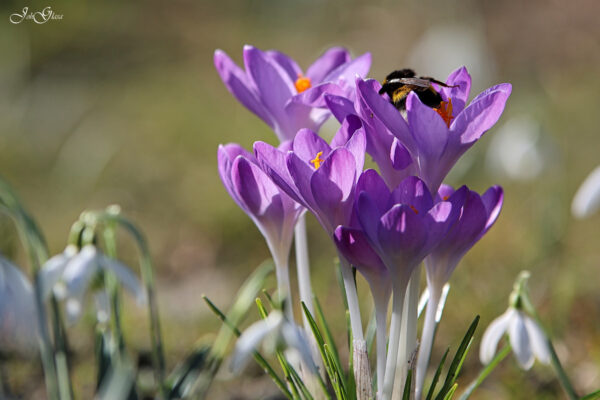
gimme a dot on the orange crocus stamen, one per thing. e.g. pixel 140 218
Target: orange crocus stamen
pixel 302 83
pixel 414 209
pixel 317 160
pixel 445 111
pixel 445 198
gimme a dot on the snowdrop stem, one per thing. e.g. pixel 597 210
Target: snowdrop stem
pixel 112 287
pixel 429 328
pixel 501 355
pixel 56 374
pixel 394 339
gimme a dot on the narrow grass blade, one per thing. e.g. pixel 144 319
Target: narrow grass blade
pixel 407 385
pixel 327 331
pixel 451 392
pixel 592 396
pixel 436 377
pixel 486 371
pixel 458 360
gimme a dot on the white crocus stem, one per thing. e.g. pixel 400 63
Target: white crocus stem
pixel 381 305
pixel 427 335
pixel 303 267
pixel 352 297
pixel 408 333
pixel 284 288
pixel 395 325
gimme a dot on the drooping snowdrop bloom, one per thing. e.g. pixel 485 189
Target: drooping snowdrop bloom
pixel 436 138
pixel 587 199
pixel 272 210
pixel 477 215
pixel 287 99
pixel 70 274
pixel 18 319
pixel 274 332
pixel 527 339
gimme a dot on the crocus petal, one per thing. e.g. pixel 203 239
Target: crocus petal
pixel 125 276
pixel 399 156
pixel 428 129
pixel 339 106
pixel 239 84
pixel 251 337
pixel 288 64
pixel 480 115
pixel 353 244
pixel 356 146
pixel 386 113
pixel 493 199
pixel 492 336
pixel 226 154
pixel 253 187
pixel 587 199
pixel 315 96
pixel 273 162
pixel 539 342
pixel 329 61
pixel 301 174
pixel 272 83
pixel 459 94
pixel 350 124
pixel 333 186
pixel 308 144
pixel 519 340
pixel 346 74
pixel 444 192
pixel 401 234
pixel 413 192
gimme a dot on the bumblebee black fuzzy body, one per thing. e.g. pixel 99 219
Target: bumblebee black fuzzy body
pixel 400 83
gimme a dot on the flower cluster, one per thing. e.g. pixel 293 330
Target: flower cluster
pixel 384 224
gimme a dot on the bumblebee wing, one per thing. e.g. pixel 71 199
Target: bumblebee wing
pixel 432 80
pixel 418 82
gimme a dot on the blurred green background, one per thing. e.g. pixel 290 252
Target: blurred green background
pixel 119 102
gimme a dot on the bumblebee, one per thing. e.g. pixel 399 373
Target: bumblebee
pixel 400 83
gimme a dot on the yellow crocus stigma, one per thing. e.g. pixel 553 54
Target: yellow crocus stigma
pixel 302 83
pixel 317 160
pixel 445 111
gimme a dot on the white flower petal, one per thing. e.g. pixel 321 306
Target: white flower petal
pixel 73 307
pixel 53 269
pixel 492 336
pixel 102 306
pixel 294 338
pixel 80 270
pixel 587 198
pixel 125 276
pixel 250 339
pixel 519 340
pixel 538 340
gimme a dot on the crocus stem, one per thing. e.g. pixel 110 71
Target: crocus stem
pixel 427 338
pixel 381 303
pixel 283 286
pixel 352 297
pixel 395 325
pixel 302 265
pixel 408 335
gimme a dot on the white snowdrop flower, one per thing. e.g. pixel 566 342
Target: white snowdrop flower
pixel 527 339
pixel 273 332
pixel 587 199
pixel 70 274
pixel 18 319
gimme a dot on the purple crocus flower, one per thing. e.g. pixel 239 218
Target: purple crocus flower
pixel 275 89
pixel 392 158
pixel 436 138
pixel 274 212
pixel 319 176
pixel 403 226
pixel 477 216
